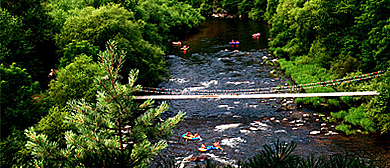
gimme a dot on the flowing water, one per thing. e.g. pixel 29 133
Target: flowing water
pixel 243 126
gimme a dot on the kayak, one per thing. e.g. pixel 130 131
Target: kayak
pixel 189 136
pixel 204 148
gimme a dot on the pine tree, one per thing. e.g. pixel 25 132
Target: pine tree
pixel 115 132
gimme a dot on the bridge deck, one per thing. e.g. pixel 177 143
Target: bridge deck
pixel 256 96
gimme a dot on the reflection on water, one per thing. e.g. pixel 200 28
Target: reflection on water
pixel 243 126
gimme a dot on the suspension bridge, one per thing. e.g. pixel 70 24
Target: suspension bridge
pixel 257 93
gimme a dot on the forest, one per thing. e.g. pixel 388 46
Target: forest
pixel 81 42
pixel 100 52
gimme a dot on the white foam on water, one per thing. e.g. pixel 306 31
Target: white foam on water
pixel 280 131
pixel 223 106
pixel 225 58
pixel 220 128
pixel 182 161
pixel 195 88
pixel 232 142
pixel 179 80
pixel 242 82
pixel 260 126
pixel 244 131
pixel 224 161
pixel 207 84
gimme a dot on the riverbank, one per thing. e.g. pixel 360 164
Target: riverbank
pixel 342 108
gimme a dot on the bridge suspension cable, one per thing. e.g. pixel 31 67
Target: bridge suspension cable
pixel 256 96
pixel 267 90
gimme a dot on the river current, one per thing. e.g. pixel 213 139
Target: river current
pixel 243 126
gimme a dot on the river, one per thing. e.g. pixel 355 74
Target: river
pixel 243 126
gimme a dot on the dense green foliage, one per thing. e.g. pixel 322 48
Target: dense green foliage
pixel 252 9
pixel 21 104
pixel 76 48
pixel 97 25
pixel 111 21
pixel 26 36
pixel 163 18
pixel 142 28
pixel 378 107
pixel 75 81
pixel 324 40
pixel 12 36
pixel 13 150
pixel 66 36
pixel 115 131
pixel 53 124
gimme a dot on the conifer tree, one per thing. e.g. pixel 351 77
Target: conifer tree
pixel 115 132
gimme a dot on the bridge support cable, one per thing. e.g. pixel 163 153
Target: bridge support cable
pixel 269 92
pixel 257 96
pixel 265 90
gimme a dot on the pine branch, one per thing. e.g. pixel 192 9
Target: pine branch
pixel 40 142
pixel 147 103
pixel 144 151
pixel 165 128
pixel 147 117
pixel 114 98
pixel 119 63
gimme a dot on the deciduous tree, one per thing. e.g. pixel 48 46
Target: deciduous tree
pixel 114 22
pixel 76 48
pixel 75 81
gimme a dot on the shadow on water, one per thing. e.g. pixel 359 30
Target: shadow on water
pixel 243 126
